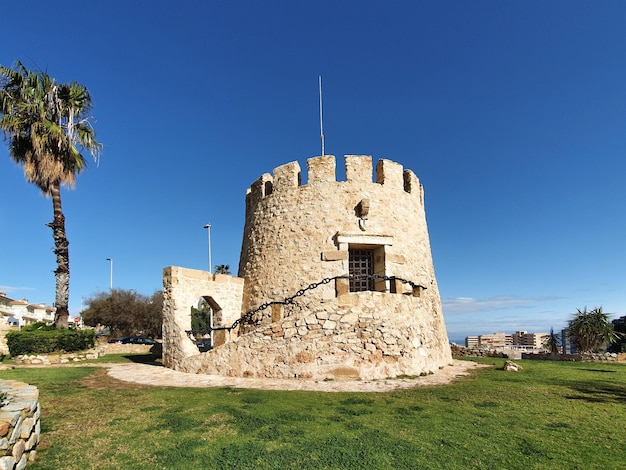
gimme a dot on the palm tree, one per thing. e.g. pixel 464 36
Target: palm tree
pixel 222 269
pixel 47 125
pixel 591 330
pixel 553 343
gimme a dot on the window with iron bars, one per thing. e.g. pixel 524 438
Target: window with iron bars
pixel 361 263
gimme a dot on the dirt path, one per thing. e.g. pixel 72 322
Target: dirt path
pixel 145 374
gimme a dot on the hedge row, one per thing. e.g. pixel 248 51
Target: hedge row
pixel 47 341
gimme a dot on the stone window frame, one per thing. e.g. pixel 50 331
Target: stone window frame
pixel 215 317
pixel 377 243
pixel 214 308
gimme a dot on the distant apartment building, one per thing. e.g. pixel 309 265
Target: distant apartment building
pixel 490 341
pixel 518 340
pixel 20 312
pixel 495 340
pixel 567 342
pixel 530 340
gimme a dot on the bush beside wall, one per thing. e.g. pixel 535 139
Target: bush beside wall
pixel 47 341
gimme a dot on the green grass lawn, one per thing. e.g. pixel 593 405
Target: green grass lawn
pixel 550 415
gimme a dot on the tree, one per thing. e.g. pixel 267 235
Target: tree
pixel 125 312
pixel 200 322
pixel 553 343
pixel 47 126
pixel 591 330
pixel 222 269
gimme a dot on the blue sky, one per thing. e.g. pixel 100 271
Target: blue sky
pixel 512 114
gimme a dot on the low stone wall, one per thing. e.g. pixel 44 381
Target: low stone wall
pixel 95 353
pixel 599 357
pixel 19 424
pixel 604 357
pixel 59 358
pixel 462 351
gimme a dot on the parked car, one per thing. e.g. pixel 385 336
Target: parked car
pixel 133 340
pixel 204 345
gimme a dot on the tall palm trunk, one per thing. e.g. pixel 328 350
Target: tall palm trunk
pixel 62 272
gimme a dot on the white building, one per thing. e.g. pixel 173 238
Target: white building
pixel 20 312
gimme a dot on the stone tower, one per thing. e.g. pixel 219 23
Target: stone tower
pixel 297 234
pixel 375 311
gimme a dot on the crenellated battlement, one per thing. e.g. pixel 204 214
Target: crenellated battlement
pixel 322 171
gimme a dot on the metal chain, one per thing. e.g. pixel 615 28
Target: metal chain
pixel 247 317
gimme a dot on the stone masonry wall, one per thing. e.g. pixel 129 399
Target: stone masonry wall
pixel 182 289
pixel 4 329
pixel 371 335
pixel 20 426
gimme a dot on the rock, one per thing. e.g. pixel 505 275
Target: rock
pixel 511 366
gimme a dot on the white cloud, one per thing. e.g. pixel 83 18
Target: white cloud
pixel 465 305
pixel 10 289
pixel 503 313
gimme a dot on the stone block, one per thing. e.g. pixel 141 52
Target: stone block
pixel 27 428
pixel 7 463
pixel 359 169
pixel 321 169
pixel 18 450
pixel 277 312
pixel 342 287
pixel 334 256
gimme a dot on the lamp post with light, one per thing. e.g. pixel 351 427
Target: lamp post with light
pixel 208 227
pixel 110 260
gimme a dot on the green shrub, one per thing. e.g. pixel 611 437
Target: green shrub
pixel 41 341
pixel 38 326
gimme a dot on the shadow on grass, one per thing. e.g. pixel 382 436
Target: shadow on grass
pixel 598 392
pixel 148 359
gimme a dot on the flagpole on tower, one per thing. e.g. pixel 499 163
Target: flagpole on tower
pixel 321 121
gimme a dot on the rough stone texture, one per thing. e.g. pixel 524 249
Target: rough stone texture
pixel 19 424
pixel 182 289
pixel 296 235
pixel 114 348
pixel 4 329
pixel 375 335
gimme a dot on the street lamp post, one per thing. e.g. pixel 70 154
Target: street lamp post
pixel 208 227
pixel 20 317
pixel 110 260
